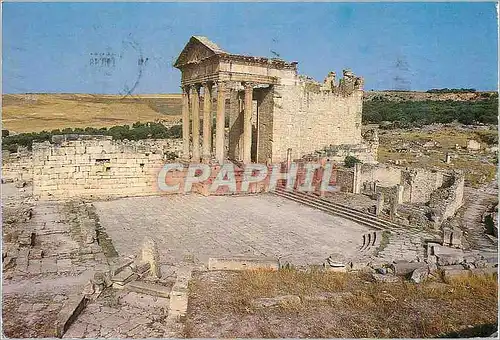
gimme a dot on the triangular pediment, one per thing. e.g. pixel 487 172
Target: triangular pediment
pixel 197 49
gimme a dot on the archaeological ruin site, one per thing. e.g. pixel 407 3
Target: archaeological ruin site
pixel 92 247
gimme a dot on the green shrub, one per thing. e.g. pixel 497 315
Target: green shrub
pixel 138 131
pixel 427 112
pixel 349 161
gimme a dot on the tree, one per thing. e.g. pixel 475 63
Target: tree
pixel 349 161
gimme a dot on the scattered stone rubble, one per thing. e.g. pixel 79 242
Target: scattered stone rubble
pixel 441 262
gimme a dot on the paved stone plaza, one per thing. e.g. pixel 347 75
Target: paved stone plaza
pixel 198 227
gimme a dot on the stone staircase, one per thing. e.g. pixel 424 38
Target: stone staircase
pixel 355 215
pixel 404 242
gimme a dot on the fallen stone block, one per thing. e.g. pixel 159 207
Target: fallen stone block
pixel 450 273
pixel 385 278
pixel 242 263
pixel 179 293
pixel 419 274
pixel 484 271
pixel 148 288
pixel 490 257
pixel 69 312
pixel 121 265
pixel 404 268
pixel 125 276
pixel 141 268
pixel 338 269
pixel 449 259
pixel 117 285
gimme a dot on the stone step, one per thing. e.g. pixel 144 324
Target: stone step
pixel 148 289
pixel 368 221
pixel 344 211
pixel 359 212
pixel 124 276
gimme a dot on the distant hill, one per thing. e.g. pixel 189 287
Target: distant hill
pixel 37 112
pixel 422 96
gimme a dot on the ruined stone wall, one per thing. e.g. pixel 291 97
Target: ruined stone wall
pixel 97 167
pixel 418 184
pixel 444 202
pixel 308 119
pixel 345 179
pixel 386 176
pixel 17 166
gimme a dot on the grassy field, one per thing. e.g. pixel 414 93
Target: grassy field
pixel 222 304
pixel 37 112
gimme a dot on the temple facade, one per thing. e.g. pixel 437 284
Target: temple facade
pixel 263 110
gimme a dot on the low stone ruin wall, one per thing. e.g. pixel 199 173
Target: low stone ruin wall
pixel 99 167
pixel 17 166
pixel 95 166
pixel 445 201
pixel 345 180
pixel 418 183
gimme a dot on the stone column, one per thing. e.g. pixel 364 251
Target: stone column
pixel 185 122
pixel 220 122
pixel 207 121
pixel 247 124
pixel 195 107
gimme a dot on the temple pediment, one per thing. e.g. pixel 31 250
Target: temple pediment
pixel 196 50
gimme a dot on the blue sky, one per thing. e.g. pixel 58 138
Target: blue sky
pixel 415 46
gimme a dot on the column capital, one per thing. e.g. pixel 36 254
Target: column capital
pixel 185 88
pixel 196 87
pixel 207 84
pixel 248 84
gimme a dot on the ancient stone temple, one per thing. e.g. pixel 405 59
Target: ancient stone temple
pixel 270 111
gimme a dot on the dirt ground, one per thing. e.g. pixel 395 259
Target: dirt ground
pixel 331 305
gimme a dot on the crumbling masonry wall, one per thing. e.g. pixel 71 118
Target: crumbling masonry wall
pixel 445 201
pixel 308 116
pixel 98 167
pixel 17 166
pixel 418 184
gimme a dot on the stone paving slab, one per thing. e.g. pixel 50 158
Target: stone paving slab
pixel 122 314
pixel 202 227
